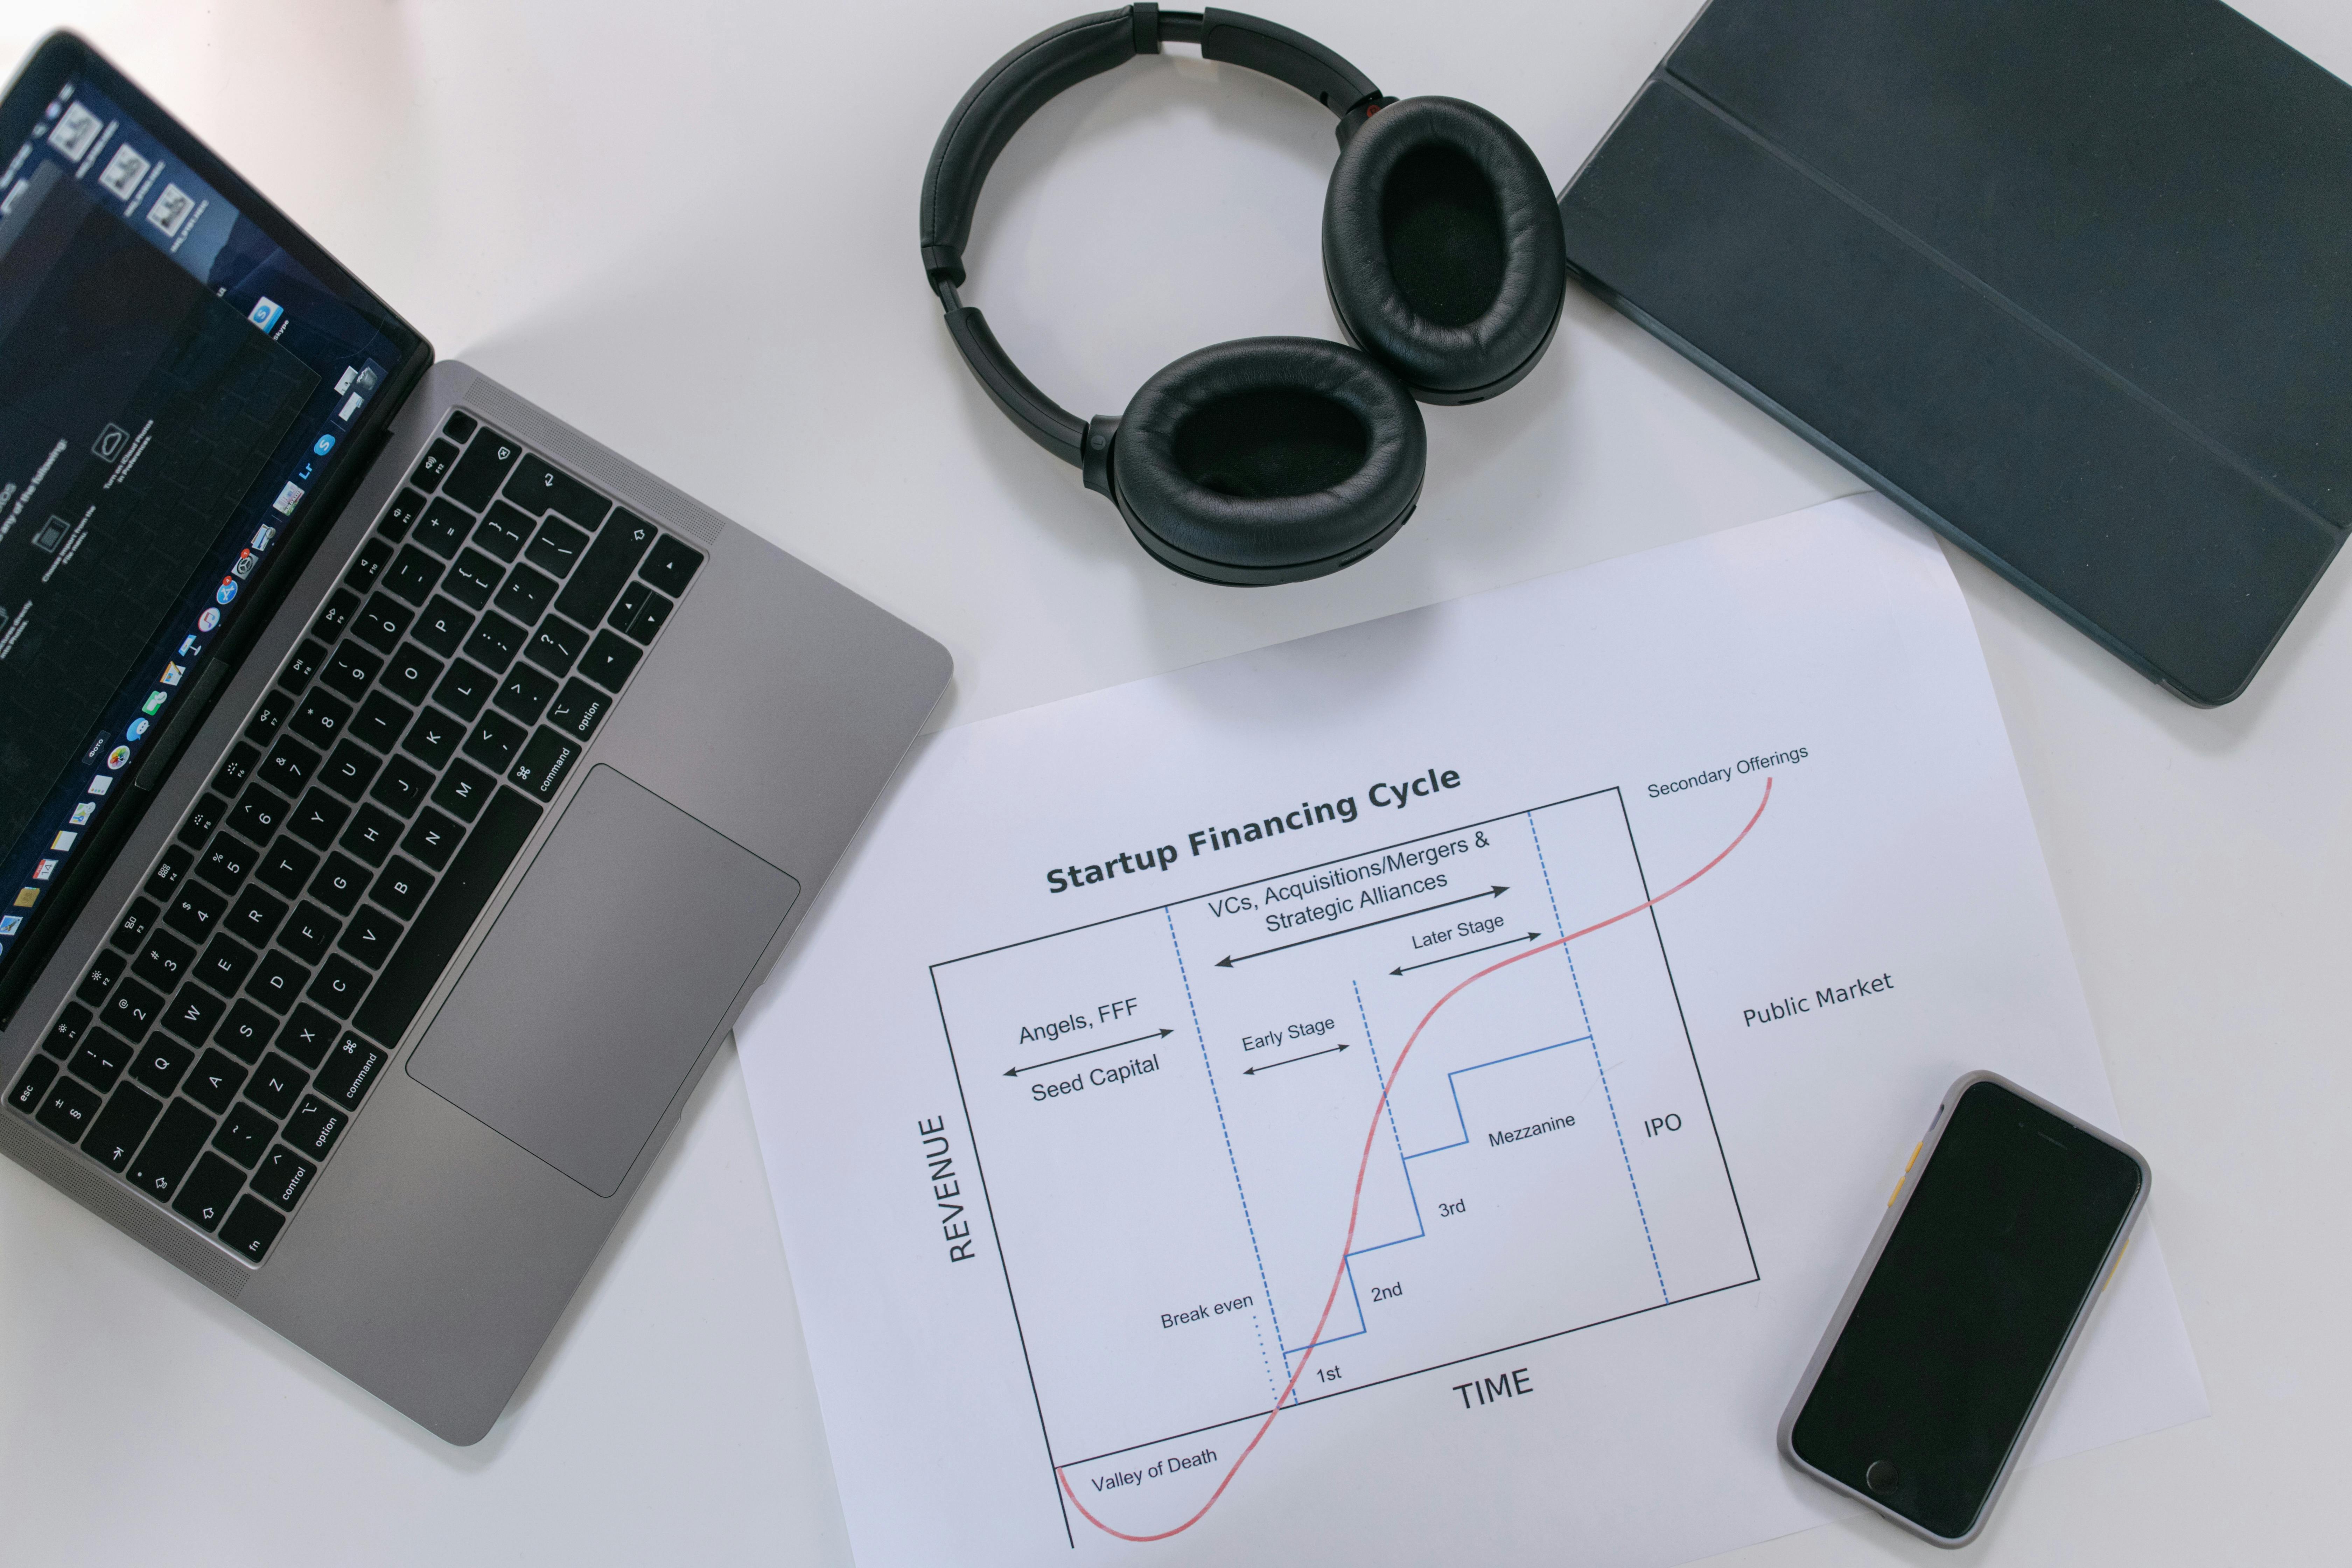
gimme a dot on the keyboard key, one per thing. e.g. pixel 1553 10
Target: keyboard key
pixel 349 1071
pixel 443 529
pixel 215 1081
pixel 372 835
pixel 400 887
pixel 338 985
pixel 321 717
pixel 290 766
pixel 476 478
pixel 225 964
pixel 610 660
pixel 66 1032
pixel 269 714
pixel 410 674
pixel 382 622
pixel 282 1176
pixel 121 1126
pixel 171 1149
pixel 277 980
pixel 447 915
pixel 131 1010
pixel 256 917
pixel 228 862
pixel 380 722
pixel 193 1013
pixel 403 786
pixel 544 763
pixel 68 1110
pixel 204 817
pixel 524 692
pixel 316 822
pixel 309 658
pixel 132 926
pixel 316 1125
pixel 350 771
pixel 536 488
pixel 444 625
pixel 496 641
pixel 555 645
pixel 196 912
pixel 433 467
pixel 162 960
pixel 671 566
pixel 370 937
pixel 335 614
pixel 402 515
pixel 257 814
pixel 610 558
pixel 525 593
pixel 462 791
pixel 286 869
pixel 165 880
pixel 433 839
pixel 32 1089
pixel 465 688
pixel 651 617
pixel 473 579
pixel 250 1228
pixel 632 599
pixel 493 740
pixel 413 576
pixel 340 883
pixel 503 532
pixel 276 1084
pixel 367 565
pixel 460 425
pixel 159 1064
pixel 351 669
pixel 556 548
pixel 236 768
pixel 310 933
pixel 100 1059
pixel 244 1134
pixel 246 1032
pixel 308 1034
pixel 210 1188
pixel 105 969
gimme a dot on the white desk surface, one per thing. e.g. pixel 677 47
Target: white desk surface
pixel 690 229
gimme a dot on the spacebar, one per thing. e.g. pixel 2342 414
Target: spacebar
pixel 445 918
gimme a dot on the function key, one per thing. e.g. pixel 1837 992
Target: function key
pixel 34 1086
pixel 537 488
pixel 203 818
pixel 543 763
pixel 476 478
pixel 432 467
pixel 67 1032
pixel 610 661
pixel 367 565
pixel 121 1125
pixel 402 514
pixel 236 768
pixel 380 624
pixel 250 1228
pixel 267 714
pixel 165 880
pixel 68 1109
pixel 460 426
pixel 335 616
pixel 132 927
pixel 210 1188
pixel 443 529
pixel 303 666
pixel 671 565
pixel 503 531
pixel 171 1149
pixel 557 546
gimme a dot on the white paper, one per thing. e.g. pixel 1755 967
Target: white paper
pixel 1064 1195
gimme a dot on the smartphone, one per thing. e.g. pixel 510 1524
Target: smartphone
pixel 2002 1232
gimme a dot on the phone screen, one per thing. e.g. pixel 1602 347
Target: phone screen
pixel 1936 1369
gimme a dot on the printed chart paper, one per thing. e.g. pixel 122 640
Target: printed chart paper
pixel 1664 898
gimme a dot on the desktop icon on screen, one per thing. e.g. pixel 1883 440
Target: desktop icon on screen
pixel 244 567
pixel 154 703
pixel 172 672
pixel 81 813
pixel 324 444
pixel 188 647
pixel 100 783
pixel 265 312
pixel 11 924
pixel 261 538
pixel 117 757
pixel 226 590
pixel 136 728
pixel 27 896
pixel 45 869
pixel 208 620
pixel 288 499
pixel 63 842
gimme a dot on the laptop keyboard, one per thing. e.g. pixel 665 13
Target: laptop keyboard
pixel 286 938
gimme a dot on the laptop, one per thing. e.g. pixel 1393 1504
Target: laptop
pixel 400 793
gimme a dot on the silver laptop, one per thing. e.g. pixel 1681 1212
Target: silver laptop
pixel 400 793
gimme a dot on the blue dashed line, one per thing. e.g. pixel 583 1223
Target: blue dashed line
pixel 1379 1075
pixel 1218 1100
pixel 1575 980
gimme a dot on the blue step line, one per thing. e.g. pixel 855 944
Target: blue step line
pixel 1456 1091
pixel 1361 1327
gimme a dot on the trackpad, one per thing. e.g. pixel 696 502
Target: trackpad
pixel 592 998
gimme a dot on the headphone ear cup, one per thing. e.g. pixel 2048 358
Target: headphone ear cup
pixel 1268 461
pixel 1442 248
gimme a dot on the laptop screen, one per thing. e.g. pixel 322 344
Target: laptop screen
pixel 176 386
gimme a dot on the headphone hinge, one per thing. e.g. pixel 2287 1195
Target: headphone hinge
pixel 1353 119
pixel 1102 432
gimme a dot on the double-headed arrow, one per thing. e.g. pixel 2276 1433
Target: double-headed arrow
pixel 1425 963
pixel 1495 892
pixel 1269 1066
pixel 1091 1051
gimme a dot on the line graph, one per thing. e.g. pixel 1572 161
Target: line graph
pixel 1167 1297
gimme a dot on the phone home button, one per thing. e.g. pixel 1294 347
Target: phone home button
pixel 1882 1477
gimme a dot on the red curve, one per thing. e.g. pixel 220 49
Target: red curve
pixel 1364 1164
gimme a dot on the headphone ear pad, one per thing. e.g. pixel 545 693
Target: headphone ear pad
pixel 1442 248
pixel 1268 461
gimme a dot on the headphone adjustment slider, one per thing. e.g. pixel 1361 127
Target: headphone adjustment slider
pixel 1353 119
pixel 1102 431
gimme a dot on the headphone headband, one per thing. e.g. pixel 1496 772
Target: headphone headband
pixel 1025 81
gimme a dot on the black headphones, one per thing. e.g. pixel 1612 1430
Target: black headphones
pixel 1276 460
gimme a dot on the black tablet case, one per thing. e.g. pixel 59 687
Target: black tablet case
pixel 2071 280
